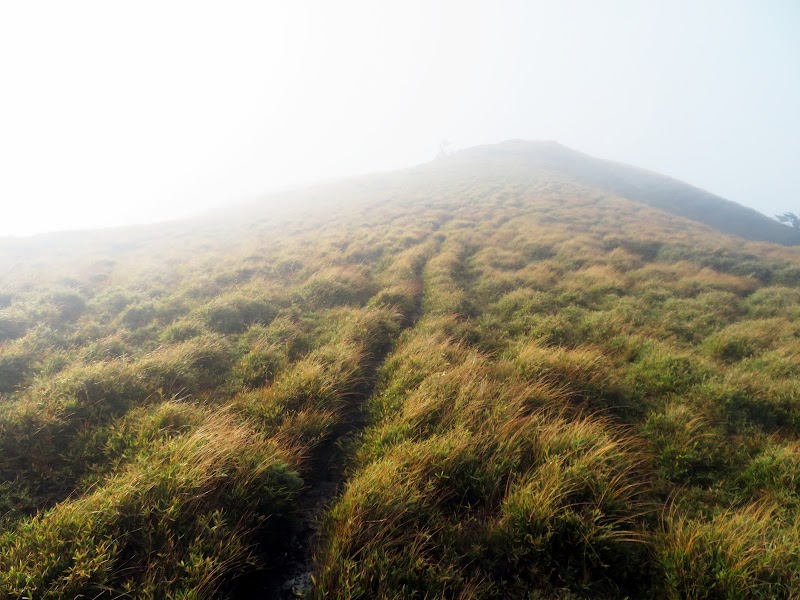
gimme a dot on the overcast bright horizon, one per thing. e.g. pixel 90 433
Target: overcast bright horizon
pixel 122 113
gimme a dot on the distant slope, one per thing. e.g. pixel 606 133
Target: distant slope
pixel 644 186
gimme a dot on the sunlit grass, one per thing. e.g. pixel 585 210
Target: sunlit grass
pixel 491 383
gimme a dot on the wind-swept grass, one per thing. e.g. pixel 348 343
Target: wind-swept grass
pixel 740 553
pixel 178 522
pixel 448 499
pixel 474 379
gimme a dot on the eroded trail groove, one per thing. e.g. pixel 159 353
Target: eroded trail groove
pixel 468 431
pixel 347 380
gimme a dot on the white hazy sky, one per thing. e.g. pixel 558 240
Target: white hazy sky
pixel 130 112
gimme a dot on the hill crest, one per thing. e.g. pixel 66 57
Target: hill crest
pixel 651 188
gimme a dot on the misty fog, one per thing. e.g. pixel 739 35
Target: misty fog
pixel 117 114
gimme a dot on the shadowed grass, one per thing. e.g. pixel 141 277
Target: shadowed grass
pixel 176 523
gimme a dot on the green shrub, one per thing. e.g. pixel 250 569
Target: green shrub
pixel 774 301
pixel 181 331
pixel 776 472
pixel 745 339
pixel 109 348
pixel 234 313
pixel 12 325
pixel 742 402
pixel 15 363
pixel 258 366
pixel 685 447
pixel 658 371
pixel 335 287
pixel 70 305
pixel 144 312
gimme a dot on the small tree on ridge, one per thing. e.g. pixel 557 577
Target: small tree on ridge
pixel 790 219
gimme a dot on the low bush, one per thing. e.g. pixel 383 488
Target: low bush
pixel 15 363
pixel 234 313
pixel 336 286
pixel 685 447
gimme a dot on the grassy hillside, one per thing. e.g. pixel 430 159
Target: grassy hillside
pixel 645 186
pixel 477 378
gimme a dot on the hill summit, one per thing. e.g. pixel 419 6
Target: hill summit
pixel 655 190
pixel 514 372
